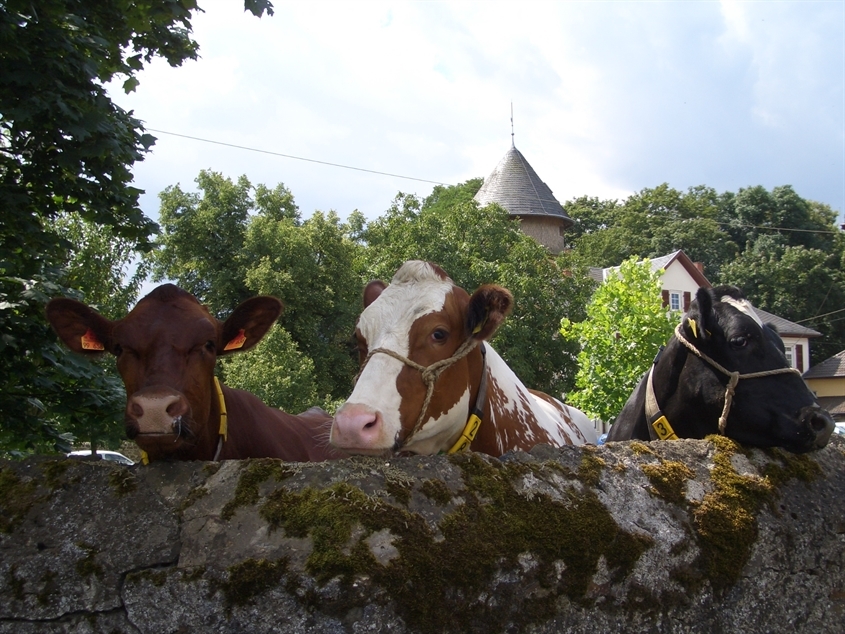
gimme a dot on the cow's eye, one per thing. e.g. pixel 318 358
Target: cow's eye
pixel 739 342
pixel 117 350
pixel 439 335
pixel 210 346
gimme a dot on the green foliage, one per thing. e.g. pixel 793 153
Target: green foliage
pixel 625 326
pixel 310 266
pixel 67 150
pixel 102 264
pixel 796 283
pixel 478 246
pixel 652 223
pixel 231 241
pixel 786 253
pixel 275 371
pixel 202 238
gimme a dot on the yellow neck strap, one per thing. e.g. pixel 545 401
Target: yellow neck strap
pixel 223 430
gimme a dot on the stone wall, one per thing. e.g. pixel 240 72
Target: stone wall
pixel 687 536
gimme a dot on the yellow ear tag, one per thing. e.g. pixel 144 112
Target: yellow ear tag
pixel 480 325
pixel 694 327
pixel 90 341
pixel 237 342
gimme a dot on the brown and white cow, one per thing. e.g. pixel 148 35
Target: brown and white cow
pixel 166 349
pixel 423 372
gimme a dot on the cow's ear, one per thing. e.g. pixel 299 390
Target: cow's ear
pixel 488 307
pixel 700 319
pixel 246 326
pixel 79 326
pixel 372 291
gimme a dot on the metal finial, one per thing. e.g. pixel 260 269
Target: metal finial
pixel 512 143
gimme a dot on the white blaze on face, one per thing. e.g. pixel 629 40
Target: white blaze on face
pixel 743 306
pixel 415 290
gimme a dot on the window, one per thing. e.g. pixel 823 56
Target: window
pixel 674 300
pixel 788 351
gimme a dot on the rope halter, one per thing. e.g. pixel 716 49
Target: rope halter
pixel 429 374
pixel 733 377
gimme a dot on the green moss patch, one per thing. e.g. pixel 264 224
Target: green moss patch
pixel 668 480
pixel 54 472
pixel 589 471
pixel 252 476
pixel 437 491
pixel 123 481
pixel 726 519
pixel 88 565
pixel 791 466
pixel 248 579
pixel 16 498
pixel 441 576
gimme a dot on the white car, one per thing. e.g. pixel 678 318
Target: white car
pixel 104 454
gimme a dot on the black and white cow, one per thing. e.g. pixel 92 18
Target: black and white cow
pixel 724 372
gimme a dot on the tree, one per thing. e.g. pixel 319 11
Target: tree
pixel 230 241
pixel 65 147
pixel 625 326
pixel 275 371
pixel 754 212
pixel 485 245
pixel 310 266
pixel 107 268
pixel 651 223
pixel 202 239
pixel 797 283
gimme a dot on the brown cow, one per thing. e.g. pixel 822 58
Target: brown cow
pixel 166 348
pixel 429 382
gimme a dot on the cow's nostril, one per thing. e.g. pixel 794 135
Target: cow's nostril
pixel 370 425
pixel 818 423
pixel 135 409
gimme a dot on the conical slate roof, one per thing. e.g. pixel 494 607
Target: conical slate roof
pixel 515 186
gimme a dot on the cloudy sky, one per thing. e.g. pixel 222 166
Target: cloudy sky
pixel 608 98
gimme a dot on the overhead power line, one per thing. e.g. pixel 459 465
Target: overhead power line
pixel 728 224
pixel 833 312
pixel 298 158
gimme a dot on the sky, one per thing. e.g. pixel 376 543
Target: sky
pixel 608 98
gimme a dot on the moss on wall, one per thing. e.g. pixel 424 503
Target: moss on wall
pixel 440 575
pixel 16 498
pixel 252 475
pixel 669 480
pixel 249 578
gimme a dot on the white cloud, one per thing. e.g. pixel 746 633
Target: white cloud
pixel 609 98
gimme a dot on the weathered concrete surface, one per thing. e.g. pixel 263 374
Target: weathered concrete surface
pixel 688 536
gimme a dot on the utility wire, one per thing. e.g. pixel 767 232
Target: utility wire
pixel 728 224
pixel 833 312
pixel 298 158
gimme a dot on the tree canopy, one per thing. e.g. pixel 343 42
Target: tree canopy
pixel 230 241
pixel 625 326
pixel 477 246
pixel 66 150
pixel 786 253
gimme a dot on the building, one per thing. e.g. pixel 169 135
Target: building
pixel 827 380
pixel 515 186
pixel 681 279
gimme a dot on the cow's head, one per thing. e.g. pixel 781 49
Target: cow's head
pixel 770 410
pixel 424 318
pixel 166 348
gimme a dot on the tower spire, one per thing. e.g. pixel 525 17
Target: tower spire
pixel 512 143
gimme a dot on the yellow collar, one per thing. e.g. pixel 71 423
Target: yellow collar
pixel 474 422
pixel 223 430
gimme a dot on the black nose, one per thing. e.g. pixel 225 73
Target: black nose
pixel 819 422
